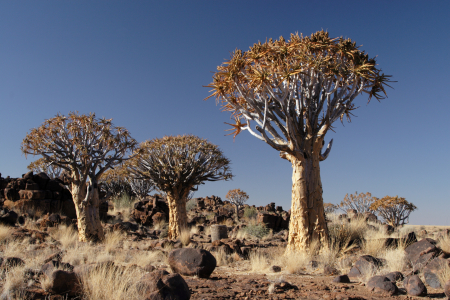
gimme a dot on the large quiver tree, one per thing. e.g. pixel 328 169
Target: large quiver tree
pixel 177 165
pixel 85 147
pixel 288 94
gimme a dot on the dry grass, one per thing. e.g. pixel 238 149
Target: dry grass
pixel 5 233
pixel 221 257
pixel 296 262
pixel 444 243
pixel 374 247
pixel 194 230
pixel 109 283
pixel 113 240
pixel 444 273
pixel 259 262
pixel 161 225
pixel 185 236
pixel 13 283
pixel 395 260
pixel 66 235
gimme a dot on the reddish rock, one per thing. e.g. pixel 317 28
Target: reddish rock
pixel 414 286
pixel 341 279
pixel 420 253
pixel 394 276
pixel 190 262
pixel 432 269
pixel 382 285
pixel 64 282
pixel 365 264
pixel 160 285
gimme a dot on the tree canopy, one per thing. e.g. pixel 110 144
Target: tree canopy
pixel 294 90
pixel 81 144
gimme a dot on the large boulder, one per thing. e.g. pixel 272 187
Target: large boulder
pixel 382 285
pixel 432 269
pixel 421 252
pixel 414 286
pixel 8 217
pixel 190 262
pixel 160 285
pixel 63 282
pixel 364 266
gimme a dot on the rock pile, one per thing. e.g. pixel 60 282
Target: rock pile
pixel 37 192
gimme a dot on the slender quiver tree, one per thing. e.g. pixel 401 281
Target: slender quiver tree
pixel 177 165
pixel 237 198
pixel 293 91
pixel 85 147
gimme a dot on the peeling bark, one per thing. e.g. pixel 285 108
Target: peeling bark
pixel 307 220
pixel 87 205
pixel 177 214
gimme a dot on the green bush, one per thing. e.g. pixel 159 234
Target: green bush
pixel 191 204
pixel 250 212
pixel 259 231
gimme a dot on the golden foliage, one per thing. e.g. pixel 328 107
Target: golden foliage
pixel 237 196
pixel 359 202
pixel 79 143
pixel 179 163
pixel 394 210
pixel 264 71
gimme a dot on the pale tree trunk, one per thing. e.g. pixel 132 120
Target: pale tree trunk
pixel 237 212
pixel 307 220
pixel 177 214
pixel 88 212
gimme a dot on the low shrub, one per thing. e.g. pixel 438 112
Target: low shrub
pixel 191 204
pixel 250 212
pixel 257 231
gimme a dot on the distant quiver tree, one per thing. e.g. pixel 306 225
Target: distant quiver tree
pixel 85 147
pixel 394 210
pixel 359 202
pixel 237 198
pixel 288 94
pixel 177 165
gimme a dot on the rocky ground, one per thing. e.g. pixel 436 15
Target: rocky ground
pixel 42 259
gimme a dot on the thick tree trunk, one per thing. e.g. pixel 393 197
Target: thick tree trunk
pixel 88 213
pixel 307 220
pixel 177 214
pixel 237 212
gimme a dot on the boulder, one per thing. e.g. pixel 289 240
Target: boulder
pixel 8 217
pixel 11 262
pixel 341 279
pixel 431 271
pixel 63 282
pixel 32 194
pixel 160 285
pixel 414 286
pixel 190 262
pixel 365 265
pixel 382 285
pixel 420 253
pixel 394 276
pixel 41 179
pixel 275 269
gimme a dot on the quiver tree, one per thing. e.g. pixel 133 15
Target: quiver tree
pixel 41 165
pixel 359 202
pixel 84 147
pixel 114 183
pixel 177 165
pixel 394 210
pixel 288 94
pixel 237 198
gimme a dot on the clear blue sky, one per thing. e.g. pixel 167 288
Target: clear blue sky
pixel 144 64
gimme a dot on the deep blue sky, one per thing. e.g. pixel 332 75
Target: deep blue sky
pixel 144 64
